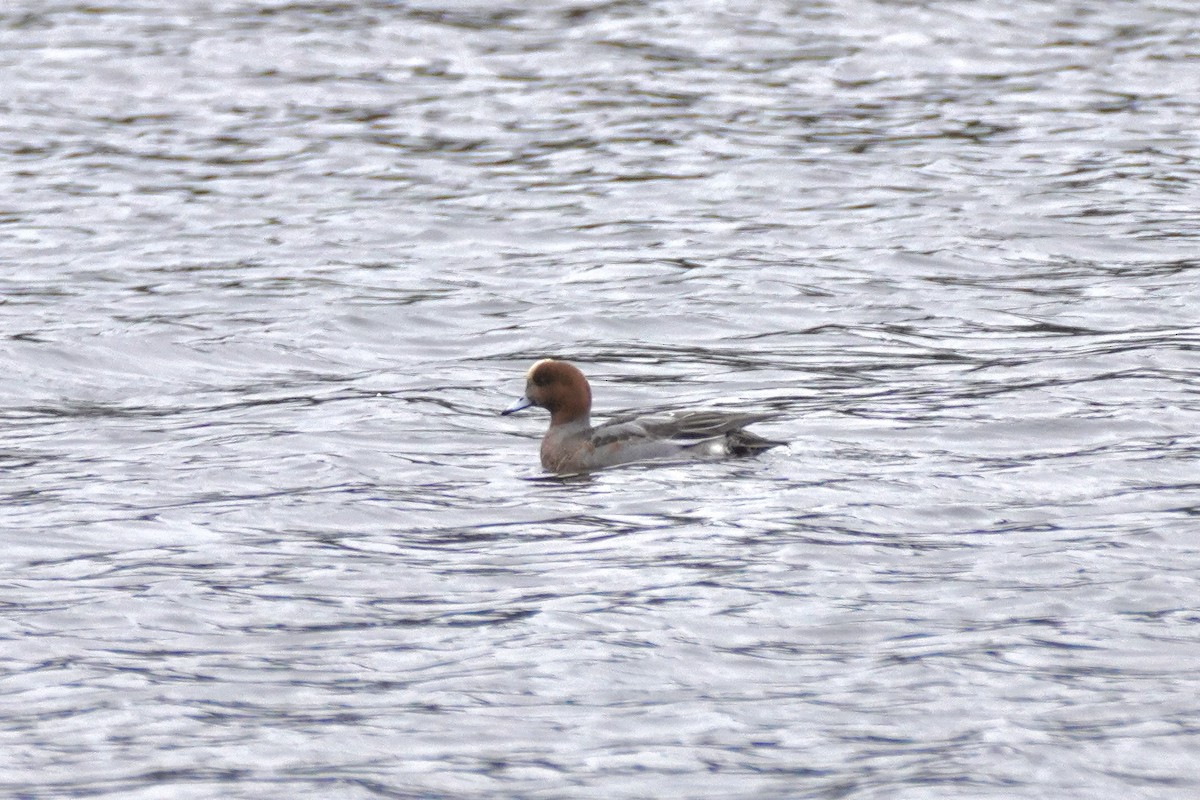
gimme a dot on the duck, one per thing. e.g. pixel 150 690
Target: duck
pixel 573 445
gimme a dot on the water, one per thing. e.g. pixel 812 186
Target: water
pixel 269 270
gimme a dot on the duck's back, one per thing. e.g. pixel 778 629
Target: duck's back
pixel 689 433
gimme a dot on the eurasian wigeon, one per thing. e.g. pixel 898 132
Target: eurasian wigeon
pixel 571 444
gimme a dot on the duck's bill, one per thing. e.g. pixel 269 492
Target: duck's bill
pixel 524 402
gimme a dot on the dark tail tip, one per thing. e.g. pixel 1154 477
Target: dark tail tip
pixel 744 443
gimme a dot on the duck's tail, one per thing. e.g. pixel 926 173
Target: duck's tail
pixel 744 443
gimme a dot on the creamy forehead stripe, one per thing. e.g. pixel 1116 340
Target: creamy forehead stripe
pixel 537 364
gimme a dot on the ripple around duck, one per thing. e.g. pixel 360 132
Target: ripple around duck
pixel 271 268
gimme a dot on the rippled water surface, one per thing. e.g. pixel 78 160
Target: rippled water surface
pixel 269 269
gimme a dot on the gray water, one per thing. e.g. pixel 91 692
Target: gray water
pixel 269 269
